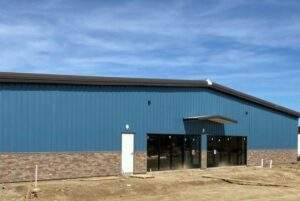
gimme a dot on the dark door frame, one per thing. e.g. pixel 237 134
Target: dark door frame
pixel 183 146
pixel 217 136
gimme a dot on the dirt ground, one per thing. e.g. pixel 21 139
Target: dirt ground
pixel 225 183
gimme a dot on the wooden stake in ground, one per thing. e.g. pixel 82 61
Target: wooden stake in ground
pixel 35 178
pixel 36 189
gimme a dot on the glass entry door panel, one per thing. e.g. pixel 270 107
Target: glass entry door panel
pixel 192 151
pixel 226 150
pixel 177 152
pixel 152 153
pixel 165 152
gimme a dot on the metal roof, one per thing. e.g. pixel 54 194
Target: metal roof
pixel 215 118
pixel 119 81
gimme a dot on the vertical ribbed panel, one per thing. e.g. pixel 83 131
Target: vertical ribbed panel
pixel 42 118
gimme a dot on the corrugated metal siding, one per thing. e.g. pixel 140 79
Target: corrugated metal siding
pixel 42 118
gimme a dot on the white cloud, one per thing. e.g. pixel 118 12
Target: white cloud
pixel 133 61
pixel 19 30
pixel 115 45
pixel 174 23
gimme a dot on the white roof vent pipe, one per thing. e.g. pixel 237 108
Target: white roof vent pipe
pixel 209 82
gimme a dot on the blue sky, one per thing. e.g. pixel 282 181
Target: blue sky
pixel 252 46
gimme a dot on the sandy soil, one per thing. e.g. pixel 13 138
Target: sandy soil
pixel 226 183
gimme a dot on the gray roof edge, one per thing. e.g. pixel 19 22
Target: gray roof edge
pixel 11 77
pixel 95 80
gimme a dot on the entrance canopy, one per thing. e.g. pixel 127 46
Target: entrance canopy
pixel 214 118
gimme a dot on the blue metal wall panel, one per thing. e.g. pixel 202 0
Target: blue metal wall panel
pixel 42 118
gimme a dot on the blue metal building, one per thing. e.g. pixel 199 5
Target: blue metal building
pixel 59 118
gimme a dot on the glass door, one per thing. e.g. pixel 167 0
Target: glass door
pixel 192 151
pixel 177 152
pixel 226 150
pixel 152 153
pixel 165 152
